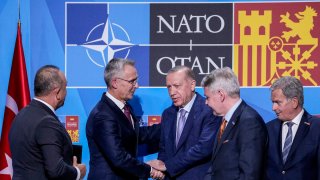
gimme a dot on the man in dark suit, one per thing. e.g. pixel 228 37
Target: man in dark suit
pixel 113 131
pixel 185 152
pixel 239 149
pixel 294 137
pixel 40 145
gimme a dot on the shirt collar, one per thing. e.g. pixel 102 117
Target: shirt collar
pixel 297 119
pixel 45 103
pixel 232 110
pixel 190 103
pixel 120 104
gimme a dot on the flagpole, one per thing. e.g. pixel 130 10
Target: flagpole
pixel 18 96
pixel 19 11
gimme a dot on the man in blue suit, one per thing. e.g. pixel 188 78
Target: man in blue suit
pixel 113 131
pixel 239 149
pixel 188 129
pixel 294 137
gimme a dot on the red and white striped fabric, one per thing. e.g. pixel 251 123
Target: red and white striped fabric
pixel 18 97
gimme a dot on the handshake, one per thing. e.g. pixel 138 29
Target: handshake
pixel 158 169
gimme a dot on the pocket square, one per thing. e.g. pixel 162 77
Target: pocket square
pixel 307 123
pixel 225 141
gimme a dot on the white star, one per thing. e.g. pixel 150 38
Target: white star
pixel 102 43
pixel 8 170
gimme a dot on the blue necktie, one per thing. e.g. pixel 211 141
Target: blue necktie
pixel 180 125
pixel 287 142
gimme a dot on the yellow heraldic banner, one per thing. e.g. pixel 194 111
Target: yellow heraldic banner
pixel 272 40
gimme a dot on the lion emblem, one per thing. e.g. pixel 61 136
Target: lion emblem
pixel 301 28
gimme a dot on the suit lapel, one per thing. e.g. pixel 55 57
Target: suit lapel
pixel 215 146
pixel 278 133
pixel 136 125
pixel 303 129
pixel 135 122
pixel 186 129
pixel 172 127
pixel 122 117
pixel 231 124
pixel 194 112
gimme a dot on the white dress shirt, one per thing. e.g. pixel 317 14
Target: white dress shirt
pixel 120 104
pixel 296 121
pixel 187 108
pixel 231 111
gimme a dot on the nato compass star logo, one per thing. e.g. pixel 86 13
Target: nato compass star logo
pixel 108 44
pixel 97 32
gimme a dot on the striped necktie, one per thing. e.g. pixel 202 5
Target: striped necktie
pixel 180 125
pixel 287 142
pixel 222 128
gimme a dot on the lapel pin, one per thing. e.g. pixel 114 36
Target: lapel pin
pixel 307 123
pixel 225 141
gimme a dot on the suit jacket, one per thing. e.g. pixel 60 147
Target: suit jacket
pixel 303 161
pixel 113 143
pixel 191 158
pixel 241 151
pixel 40 145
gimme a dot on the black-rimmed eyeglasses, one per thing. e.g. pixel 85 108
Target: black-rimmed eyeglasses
pixel 132 82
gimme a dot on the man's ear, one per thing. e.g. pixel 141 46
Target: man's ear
pixel 294 102
pixel 56 91
pixel 222 95
pixel 114 83
pixel 193 85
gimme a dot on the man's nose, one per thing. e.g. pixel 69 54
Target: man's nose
pixel 274 106
pixel 136 85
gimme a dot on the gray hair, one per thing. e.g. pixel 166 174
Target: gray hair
pixel 291 87
pixel 115 68
pixel 189 73
pixel 46 80
pixel 223 78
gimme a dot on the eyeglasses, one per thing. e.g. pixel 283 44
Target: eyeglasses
pixel 133 82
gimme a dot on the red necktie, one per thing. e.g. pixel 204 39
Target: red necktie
pixel 222 128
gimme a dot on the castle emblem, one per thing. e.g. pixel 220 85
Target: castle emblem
pixel 261 56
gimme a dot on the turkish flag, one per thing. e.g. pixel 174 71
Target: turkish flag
pixel 18 97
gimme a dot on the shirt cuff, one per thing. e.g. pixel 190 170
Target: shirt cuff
pixel 151 169
pixel 78 173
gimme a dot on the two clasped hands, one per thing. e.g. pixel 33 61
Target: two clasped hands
pixel 158 169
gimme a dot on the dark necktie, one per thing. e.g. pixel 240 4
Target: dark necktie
pixel 126 111
pixel 222 128
pixel 287 142
pixel 180 125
